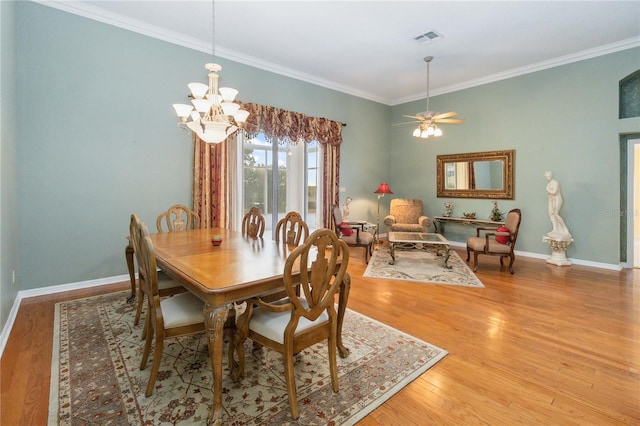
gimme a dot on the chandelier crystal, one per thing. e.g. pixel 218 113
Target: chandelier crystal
pixel 213 115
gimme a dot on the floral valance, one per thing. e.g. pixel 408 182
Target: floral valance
pixel 285 126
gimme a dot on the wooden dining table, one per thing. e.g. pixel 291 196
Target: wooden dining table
pixel 239 268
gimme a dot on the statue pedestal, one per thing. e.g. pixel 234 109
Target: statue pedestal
pixel 558 250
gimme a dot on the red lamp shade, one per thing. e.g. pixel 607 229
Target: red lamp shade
pixel 383 189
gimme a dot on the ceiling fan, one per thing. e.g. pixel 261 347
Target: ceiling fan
pixel 428 120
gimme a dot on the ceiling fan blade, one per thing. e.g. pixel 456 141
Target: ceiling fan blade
pixel 450 120
pixel 405 123
pixel 417 117
pixel 444 115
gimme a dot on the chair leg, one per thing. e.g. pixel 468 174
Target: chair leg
pixel 236 346
pixel 145 328
pixel 147 347
pixel 291 384
pixel 236 349
pixel 333 365
pixel 513 258
pixel 468 253
pixel 141 299
pixel 475 261
pixel 157 358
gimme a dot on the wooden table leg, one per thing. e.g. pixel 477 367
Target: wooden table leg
pixel 128 254
pixel 214 319
pixel 345 287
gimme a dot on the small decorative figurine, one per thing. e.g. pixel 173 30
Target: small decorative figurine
pixel 448 206
pixel 345 208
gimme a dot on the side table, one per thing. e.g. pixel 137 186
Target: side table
pixel 365 226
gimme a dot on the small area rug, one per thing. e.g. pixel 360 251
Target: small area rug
pixel 95 377
pixel 421 266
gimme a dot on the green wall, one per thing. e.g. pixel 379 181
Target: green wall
pixel 8 160
pixel 98 140
pixel 562 119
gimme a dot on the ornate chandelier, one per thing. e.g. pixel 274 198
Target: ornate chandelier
pixel 213 115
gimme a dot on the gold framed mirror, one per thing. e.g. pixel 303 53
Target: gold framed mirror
pixel 476 175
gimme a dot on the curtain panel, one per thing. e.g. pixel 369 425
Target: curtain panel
pixel 213 171
pixel 211 183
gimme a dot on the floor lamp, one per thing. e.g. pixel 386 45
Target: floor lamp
pixel 382 189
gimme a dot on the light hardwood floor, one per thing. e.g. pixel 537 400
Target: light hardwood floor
pixel 547 346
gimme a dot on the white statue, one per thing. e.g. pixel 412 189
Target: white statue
pixel 345 208
pixel 560 230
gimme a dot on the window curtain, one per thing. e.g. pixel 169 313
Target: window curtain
pixel 214 168
pixel 472 176
pixel 212 180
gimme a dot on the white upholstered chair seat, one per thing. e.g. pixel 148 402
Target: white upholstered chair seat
pixel 165 282
pixel 181 309
pixel 273 324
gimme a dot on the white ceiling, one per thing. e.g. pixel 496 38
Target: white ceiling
pixel 367 48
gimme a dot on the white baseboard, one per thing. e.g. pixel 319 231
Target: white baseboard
pixel 600 265
pixel 43 291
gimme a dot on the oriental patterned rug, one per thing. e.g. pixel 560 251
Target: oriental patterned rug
pixel 423 266
pixel 95 375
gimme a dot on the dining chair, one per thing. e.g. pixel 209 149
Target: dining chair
pixel 166 285
pixel 167 317
pixel 497 240
pixel 291 229
pixel 253 223
pixel 318 267
pixel 353 234
pixel 178 218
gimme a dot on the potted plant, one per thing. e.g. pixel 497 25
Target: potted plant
pixel 496 213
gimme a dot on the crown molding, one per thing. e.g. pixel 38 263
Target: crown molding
pixel 97 14
pixel 540 66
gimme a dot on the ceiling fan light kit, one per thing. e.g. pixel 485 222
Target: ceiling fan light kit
pixel 428 120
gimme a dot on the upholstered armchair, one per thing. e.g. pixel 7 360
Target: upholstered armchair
pixel 407 215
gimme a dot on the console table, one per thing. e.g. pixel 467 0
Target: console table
pixel 440 221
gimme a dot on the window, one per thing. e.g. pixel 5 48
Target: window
pixel 278 178
pixel 629 94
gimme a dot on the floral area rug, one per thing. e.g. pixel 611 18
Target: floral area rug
pixel 95 375
pixel 422 265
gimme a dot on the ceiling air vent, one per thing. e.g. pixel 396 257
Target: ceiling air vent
pixel 428 37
